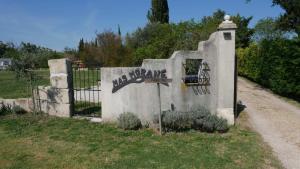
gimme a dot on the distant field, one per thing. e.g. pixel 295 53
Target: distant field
pixel 12 87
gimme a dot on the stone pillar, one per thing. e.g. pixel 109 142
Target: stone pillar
pixel 225 69
pixel 60 93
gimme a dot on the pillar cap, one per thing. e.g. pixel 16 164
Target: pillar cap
pixel 227 24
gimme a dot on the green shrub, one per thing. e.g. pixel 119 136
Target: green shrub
pixel 274 64
pixel 209 123
pixel 176 121
pixel 129 121
pixel 198 116
pixel 198 119
pixel 221 125
pixel 5 109
pixel 18 110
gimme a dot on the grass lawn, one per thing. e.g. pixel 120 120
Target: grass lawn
pixel 11 87
pixel 84 78
pixel 87 109
pixel 29 141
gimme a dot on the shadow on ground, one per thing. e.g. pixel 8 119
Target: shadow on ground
pixel 239 108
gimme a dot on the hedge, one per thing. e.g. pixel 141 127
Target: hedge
pixel 274 64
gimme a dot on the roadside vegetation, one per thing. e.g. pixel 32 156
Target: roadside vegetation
pixel 272 60
pixel 40 141
pixel 12 87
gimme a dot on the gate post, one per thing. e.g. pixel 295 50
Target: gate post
pixel 226 69
pixel 60 94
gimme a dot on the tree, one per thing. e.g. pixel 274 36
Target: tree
pixel 159 12
pixel 109 49
pixel 81 45
pixel 81 50
pixel 119 31
pixel 217 17
pixel 290 20
pixel 7 50
pixel 156 41
pixel 211 23
pixel 266 29
pixel 243 32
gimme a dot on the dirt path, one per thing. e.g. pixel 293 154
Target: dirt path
pixel 275 119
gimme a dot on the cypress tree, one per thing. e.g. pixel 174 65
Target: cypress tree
pixel 81 45
pixel 159 12
pixel 119 31
pixel 95 42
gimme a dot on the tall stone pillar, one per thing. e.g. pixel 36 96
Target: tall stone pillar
pixel 226 69
pixel 60 93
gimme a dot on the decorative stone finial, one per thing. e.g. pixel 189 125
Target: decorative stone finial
pixel 227 17
pixel 227 23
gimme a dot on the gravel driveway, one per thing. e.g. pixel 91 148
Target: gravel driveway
pixel 275 119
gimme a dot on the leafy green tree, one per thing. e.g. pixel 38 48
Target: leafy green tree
pixel 30 48
pixel 211 23
pixel 7 50
pixel 3 48
pixel 274 64
pixel 243 32
pixel 30 56
pixel 159 41
pixel 106 50
pixel 153 41
pixel 290 20
pixel 70 53
pixel 216 18
pixel 267 29
pixel 159 12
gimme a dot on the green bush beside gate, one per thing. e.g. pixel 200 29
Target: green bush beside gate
pixel 275 64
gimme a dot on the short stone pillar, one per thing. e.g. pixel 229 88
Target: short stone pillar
pixel 60 93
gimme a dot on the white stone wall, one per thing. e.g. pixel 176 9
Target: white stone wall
pixel 24 103
pixel 142 98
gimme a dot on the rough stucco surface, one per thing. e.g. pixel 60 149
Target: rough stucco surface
pixel 24 103
pixel 142 98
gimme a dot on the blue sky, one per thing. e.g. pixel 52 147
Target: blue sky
pixel 57 24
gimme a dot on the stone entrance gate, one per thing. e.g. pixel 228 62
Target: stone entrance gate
pixel 205 77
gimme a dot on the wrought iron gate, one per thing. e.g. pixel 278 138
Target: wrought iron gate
pixel 86 86
pixel 36 79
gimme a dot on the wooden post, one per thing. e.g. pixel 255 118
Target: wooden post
pixel 158 81
pixel 159 104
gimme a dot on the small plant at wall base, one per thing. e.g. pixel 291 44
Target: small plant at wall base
pixel 197 119
pixel 129 121
pixel 5 109
pixel 18 110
